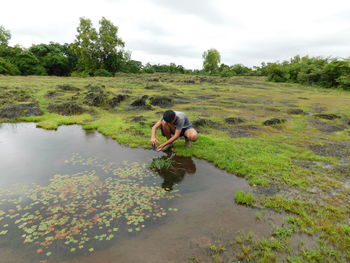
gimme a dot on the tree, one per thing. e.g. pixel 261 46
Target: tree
pixel 5 36
pixel 85 46
pixel 211 61
pixel 28 64
pixel 53 57
pixel 98 50
pixel 107 44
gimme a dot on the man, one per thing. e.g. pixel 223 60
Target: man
pixel 173 125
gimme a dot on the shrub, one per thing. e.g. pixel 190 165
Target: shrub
pixel 102 73
pixel 6 68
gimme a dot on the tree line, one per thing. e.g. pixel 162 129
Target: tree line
pixel 100 52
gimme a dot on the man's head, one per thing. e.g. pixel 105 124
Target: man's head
pixel 169 116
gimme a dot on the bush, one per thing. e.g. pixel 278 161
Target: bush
pixel 102 73
pixel 6 68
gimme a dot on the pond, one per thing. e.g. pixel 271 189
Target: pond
pixel 77 196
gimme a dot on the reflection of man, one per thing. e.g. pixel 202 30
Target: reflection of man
pixel 173 125
pixel 176 174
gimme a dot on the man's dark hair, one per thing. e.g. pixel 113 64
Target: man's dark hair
pixel 169 115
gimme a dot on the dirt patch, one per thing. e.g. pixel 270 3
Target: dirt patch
pixel 326 127
pixel 234 120
pixel 69 108
pixel 67 87
pixel 274 121
pixel 327 116
pixel 20 110
pixel 244 131
pixel 295 111
pixel 269 190
pixel 161 101
pixel 303 98
pixel 335 149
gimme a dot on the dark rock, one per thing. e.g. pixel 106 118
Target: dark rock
pixel 140 102
pixel 67 88
pixel 139 119
pixel 274 121
pixel 203 122
pixel 189 81
pixel 295 111
pixel 20 110
pixel 117 99
pixel 327 116
pixel 154 87
pixel 161 101
pixel 234 120
pixel 69 108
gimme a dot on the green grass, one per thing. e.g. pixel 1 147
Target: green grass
pixel 269 156
pixel 244 198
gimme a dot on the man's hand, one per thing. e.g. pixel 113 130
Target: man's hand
pixel 160 147
pixel 154 141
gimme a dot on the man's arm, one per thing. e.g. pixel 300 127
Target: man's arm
pixel 173 138
pixel 154 131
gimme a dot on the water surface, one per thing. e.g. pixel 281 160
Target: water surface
pixel 200 208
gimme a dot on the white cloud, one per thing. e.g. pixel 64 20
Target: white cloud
pixel 164 31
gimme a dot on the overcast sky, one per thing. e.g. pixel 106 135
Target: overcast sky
pixel 164 31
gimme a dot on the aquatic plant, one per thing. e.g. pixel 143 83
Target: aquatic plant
pixel 160 163
pixel 73 211
pixel 244 198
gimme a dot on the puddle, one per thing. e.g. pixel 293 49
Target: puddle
pixel 79 175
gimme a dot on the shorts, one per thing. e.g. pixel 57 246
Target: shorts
pixel 182 131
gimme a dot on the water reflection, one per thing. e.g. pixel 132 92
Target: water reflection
pixel 176 173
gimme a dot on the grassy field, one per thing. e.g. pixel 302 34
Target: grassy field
pixel 298 163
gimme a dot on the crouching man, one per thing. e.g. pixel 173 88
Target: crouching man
pixel 173 125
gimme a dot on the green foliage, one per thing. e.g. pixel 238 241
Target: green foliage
pixel 28 64
pixel 5 36
pixel 244 198
pixel 6 68
pixel 319 71
pixel 211 60
pixel 282 233
pixel 102 73
pixel 98 50
pixel 160 163
pixel 54 57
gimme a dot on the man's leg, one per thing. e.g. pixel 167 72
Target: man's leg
pixel 167 130
pixel 191 135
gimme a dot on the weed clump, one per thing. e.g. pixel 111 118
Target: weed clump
pixel 244 198
pixel 160 163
